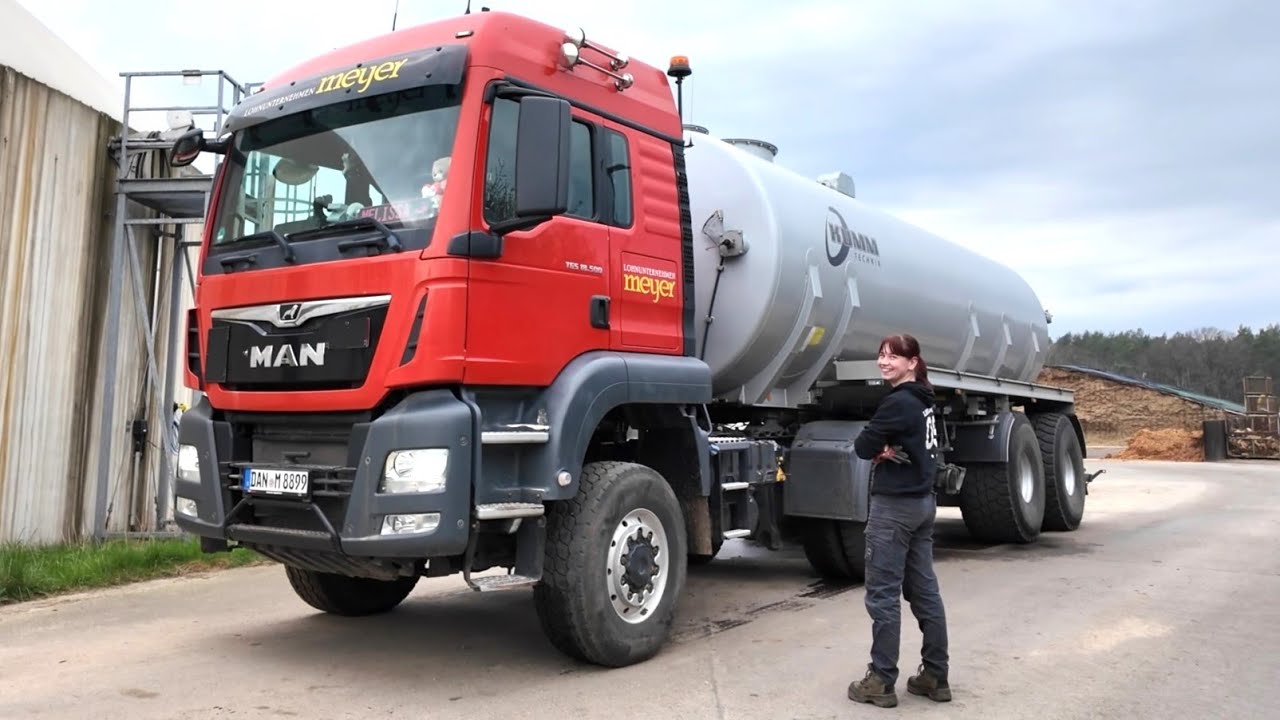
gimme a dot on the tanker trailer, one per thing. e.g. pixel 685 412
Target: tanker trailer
pixel 797 283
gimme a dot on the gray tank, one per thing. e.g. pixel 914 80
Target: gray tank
pixel 811 275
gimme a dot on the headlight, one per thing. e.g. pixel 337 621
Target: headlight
pixel 410 524
pixel 187 506
pixel 415 471
pixel 188 463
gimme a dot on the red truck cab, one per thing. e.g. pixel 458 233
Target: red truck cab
pixel 443 271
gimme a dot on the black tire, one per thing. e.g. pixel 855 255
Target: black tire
pixel 837 549
pixel 1063 472
pixel 1004 502
pixel 350 596
pixel 576 597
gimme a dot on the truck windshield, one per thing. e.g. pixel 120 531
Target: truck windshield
pixel 384 157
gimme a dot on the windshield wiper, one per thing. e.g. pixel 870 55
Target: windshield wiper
pixel 389 238
pixel 275 237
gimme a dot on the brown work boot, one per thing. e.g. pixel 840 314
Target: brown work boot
pixel 871 689
pixel 929 685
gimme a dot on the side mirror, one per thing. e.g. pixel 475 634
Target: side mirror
pixel 187 148
pixel 542 158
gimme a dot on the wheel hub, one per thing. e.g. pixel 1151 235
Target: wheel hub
pixel 639 562
pixel 635 575
pixel 1027 480
pixel 1068 471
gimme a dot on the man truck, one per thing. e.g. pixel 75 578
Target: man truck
pixel 473 299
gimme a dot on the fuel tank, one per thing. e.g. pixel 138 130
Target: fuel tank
pixel 795 274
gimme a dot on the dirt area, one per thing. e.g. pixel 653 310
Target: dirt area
pixel 1167 444
pixel 1114 411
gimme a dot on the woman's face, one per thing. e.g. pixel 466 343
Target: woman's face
pixel 894 368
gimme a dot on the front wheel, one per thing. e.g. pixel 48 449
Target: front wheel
pixel 342 595
pixel 614 567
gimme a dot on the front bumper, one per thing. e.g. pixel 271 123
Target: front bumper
pixel 343 513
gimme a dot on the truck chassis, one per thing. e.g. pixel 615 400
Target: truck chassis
pixel 606 543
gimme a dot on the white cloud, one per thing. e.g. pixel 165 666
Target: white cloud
pixel 1120 156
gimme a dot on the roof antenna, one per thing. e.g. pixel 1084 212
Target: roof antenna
pixel 395 16
pixel 468 12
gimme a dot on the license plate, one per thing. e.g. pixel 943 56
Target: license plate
pixel 294 483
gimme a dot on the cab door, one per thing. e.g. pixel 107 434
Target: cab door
pixel 543 299
pixel 645 241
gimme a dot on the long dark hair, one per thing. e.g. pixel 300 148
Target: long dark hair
pixel 908 347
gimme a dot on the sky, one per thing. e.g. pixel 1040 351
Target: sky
pixel 1123 156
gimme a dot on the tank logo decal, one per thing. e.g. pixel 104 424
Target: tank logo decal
pixel 842 242
pixel 648 281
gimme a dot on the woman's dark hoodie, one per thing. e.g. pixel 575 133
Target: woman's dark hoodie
pixel 904 418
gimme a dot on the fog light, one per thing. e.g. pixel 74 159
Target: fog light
pixel 187 506
pixel 415 471
pixel 410 524
pixel 188 463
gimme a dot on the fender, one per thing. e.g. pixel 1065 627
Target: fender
pixel 825 478
pixel 985 441
pixel 571 408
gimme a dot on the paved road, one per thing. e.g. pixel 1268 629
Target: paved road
pixel 1163 605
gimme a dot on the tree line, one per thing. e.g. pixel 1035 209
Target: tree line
pixel 1208 361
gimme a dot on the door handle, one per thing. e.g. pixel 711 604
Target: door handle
pixel 600 312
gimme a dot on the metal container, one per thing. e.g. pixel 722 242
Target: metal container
pixel 812 275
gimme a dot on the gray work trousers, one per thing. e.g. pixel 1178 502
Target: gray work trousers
pixel 899 563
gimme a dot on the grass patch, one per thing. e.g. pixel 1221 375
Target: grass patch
pixel 30 572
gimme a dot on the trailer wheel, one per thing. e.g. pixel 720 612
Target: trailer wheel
pixel 837 549
pixel 1063 472
pixel 351 596
pixel 614 567
pixel 1004 502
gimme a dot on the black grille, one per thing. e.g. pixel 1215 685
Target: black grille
pixel 329 453
pixel 333 352
pixel 330 491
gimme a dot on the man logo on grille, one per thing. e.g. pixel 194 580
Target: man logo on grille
pixel 289 312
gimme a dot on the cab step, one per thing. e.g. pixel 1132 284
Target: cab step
pixel 509 510
pixel 516 435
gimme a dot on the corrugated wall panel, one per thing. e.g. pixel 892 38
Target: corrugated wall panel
pixel 52 188
pixel 57 183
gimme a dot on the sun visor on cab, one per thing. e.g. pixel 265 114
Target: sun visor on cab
pixel 434 66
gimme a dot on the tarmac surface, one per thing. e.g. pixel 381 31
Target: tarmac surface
pixel 1163 605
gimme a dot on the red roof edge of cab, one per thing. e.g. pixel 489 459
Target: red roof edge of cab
pixel 523 48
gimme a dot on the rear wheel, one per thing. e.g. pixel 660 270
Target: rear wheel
pixel 1063 471
pixel 614 567
pixel 342 595
pixel 1004 501
pixel 837 549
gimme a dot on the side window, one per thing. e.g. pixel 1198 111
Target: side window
pixel 582 201
pixel 500 167
pixel 618 172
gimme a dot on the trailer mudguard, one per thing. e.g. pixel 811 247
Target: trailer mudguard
pixel 825 478
pixel 985 441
